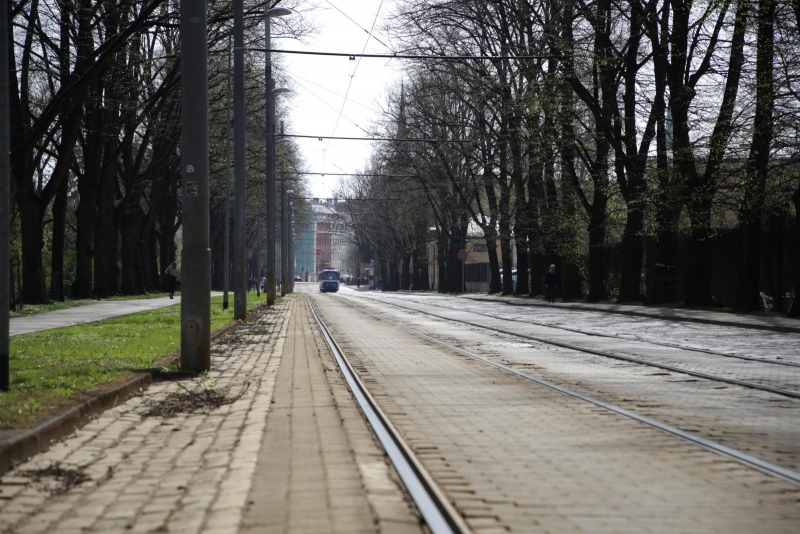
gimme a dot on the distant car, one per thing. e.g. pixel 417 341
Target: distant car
pixel 513 275
pixel 298 279
pixel 329 281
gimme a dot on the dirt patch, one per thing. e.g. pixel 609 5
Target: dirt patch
pixel 55 479
pixel 202 399
pixel 172 374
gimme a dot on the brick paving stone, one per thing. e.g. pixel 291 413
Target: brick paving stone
pixel 544 462
pixel 186 473
pixel 319 468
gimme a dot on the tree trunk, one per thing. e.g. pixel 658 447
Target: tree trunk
pixel 795 310
pixel 105 240
pixel 632 253
pixel 405 277
pixel 490 237
pixel 149 246
pixel 31 211
pixel 701 261
pixel 86 216
pixel 130 252
pixel 59 229
pixel 757 165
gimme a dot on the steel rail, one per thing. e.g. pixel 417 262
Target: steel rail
pixel 740 456
pixel 651 342
pixel 440 516
pixel 605 354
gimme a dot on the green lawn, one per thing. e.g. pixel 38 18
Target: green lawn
pixel 53 368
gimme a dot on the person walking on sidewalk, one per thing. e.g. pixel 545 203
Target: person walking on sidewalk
pixel 172 277
pixel 551 283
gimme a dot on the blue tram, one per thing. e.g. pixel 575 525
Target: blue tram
pixel 329 280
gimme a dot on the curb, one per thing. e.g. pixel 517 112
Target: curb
pixel 580 307
pixel 34 440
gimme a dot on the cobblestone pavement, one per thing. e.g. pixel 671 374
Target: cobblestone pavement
pixel 652 345
pixel 774 322
pixel 726 339
pixel 515 456
pixel 759 423
pixel 147 466
pixel 319 468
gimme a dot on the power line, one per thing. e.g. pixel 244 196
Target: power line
pixel 350 83
pixel 400 56
pixel 359 25
pixel 331 106
pixel 348 174
pixel 399 140
pixel 335 198
pixel 296 77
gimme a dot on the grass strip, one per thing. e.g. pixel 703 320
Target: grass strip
pixel 35 309
pixel 55 368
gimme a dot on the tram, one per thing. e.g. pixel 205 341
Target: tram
pixel 329 280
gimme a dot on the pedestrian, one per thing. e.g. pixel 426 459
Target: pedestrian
pixel 551 283
pixel 172 277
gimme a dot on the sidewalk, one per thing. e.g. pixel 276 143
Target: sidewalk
pixel 268 441
pixel 772 323
pixel 88 314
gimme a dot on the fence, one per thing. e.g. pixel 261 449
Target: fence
pixel 477 276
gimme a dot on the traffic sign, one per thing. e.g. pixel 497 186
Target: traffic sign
pixel 462 255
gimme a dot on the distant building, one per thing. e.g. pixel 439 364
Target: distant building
pixel 323 243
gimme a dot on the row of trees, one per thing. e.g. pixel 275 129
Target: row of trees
pixel 95 130
pixel 563 130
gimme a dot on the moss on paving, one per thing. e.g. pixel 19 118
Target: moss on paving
pixel 55 368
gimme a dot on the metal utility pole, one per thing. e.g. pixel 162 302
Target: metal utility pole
pixel 196 255
pixel 258 228
pixel 284 257
pixel 270 161
pixel 5 201
pixel 239 182
pixel 290 244
pixel 226 263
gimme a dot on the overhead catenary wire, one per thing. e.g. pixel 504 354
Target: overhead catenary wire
pixel 312 93
pixel 348 17
pixel 403 56
pixel 398 139
pixel 369 175
pixel 350 83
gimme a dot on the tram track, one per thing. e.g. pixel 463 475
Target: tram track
pixel 697 374
pixel 612 336
pixel 752 461
pixel 439 515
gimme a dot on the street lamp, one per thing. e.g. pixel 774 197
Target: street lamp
pixel 274 12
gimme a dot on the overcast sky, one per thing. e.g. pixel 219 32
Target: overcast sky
pixel 322 82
